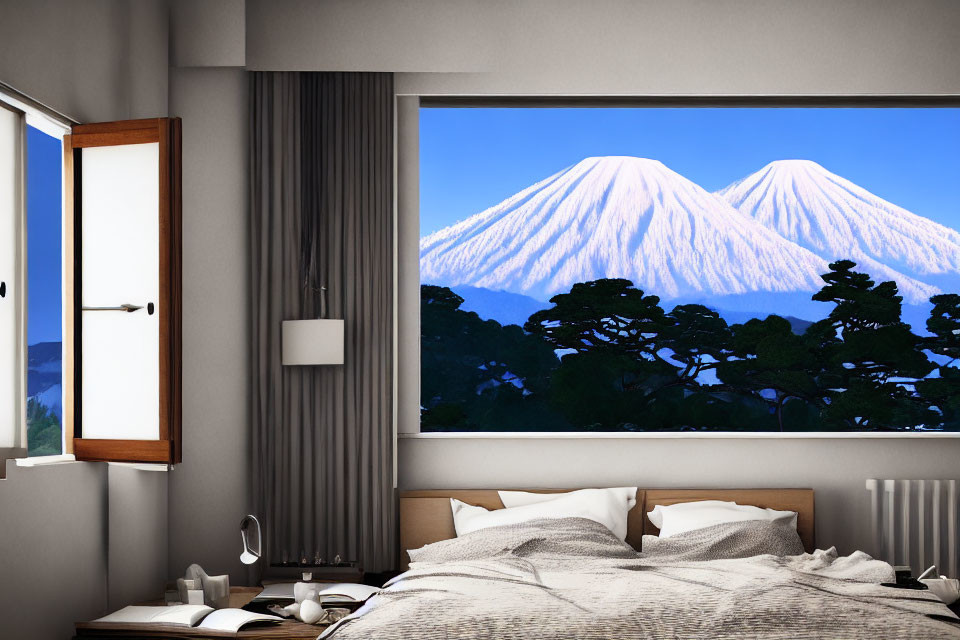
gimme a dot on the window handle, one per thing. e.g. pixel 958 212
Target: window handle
pixel 126 307
pixel 3 289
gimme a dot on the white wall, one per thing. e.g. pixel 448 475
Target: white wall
pixel 835 468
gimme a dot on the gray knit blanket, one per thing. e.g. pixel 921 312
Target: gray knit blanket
pixel 573 579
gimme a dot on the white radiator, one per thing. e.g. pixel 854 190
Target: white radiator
pixel 915 523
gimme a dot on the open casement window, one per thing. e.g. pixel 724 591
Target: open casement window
pixel 125 306
pixel 13 435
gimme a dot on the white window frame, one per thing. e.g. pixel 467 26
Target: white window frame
pixel 56 125
pixel 19 447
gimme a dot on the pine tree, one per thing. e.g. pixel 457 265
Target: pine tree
pixel 777 366
pixel 943 389
pixel 873 368
pixel 477 375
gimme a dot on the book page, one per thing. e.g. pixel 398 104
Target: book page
pixel 185 614
pixel 234 619
pixel 276 591
pixel 346 592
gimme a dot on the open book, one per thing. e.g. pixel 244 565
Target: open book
pixel 345 592
pixel 189 615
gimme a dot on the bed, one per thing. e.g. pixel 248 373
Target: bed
pixel 572 578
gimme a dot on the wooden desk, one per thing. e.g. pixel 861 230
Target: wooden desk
pixel 239 596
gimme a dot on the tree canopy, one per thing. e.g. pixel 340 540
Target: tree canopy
pixel 607 356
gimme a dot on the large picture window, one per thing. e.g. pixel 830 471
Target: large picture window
pixel 789 269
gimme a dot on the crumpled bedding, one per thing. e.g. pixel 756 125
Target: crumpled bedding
pixel 572 578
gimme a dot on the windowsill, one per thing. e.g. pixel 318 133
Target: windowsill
pixel 670 435
pixel 142 466
pixel 42 461
pixel 60 459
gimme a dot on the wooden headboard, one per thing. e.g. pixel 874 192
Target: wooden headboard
pixel 425 516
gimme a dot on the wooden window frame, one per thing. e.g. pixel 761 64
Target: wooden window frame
pixel 167 449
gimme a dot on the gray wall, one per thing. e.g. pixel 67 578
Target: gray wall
pixel 207 33
pixel 92 60
pixel 618 46
pixel 79 519
pixel 629 47
pixel 53 548
pixel 137 524
pixel 208 492
pixel 79 538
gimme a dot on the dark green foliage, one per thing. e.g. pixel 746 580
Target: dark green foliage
pixel 943 391
pixel 944 324
pixel 43 430
pixel 626 364
pixel 772 364
pixel 877 358
pixel 602 316
pixel 479 375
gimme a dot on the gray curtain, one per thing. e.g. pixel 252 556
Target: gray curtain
pixel 321 216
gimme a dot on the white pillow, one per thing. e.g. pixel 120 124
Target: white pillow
pixel 688 516
pixel 599 505
pixel 512 499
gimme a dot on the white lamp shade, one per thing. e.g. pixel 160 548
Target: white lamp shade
pixel 306 342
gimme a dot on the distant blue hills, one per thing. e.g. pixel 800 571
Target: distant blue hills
pixel 514 308
pixel 45 375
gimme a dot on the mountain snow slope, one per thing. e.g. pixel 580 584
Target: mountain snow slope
pixel 834 218
pixel 617 216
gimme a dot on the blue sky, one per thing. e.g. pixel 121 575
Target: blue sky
pixel 44 253
pixel 471 159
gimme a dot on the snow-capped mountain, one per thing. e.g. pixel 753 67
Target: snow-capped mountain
pixel 834 218
pixel 624 217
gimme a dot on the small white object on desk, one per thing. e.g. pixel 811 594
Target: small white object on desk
pixel 310 611
pixel 191 591
pixel 214 590
pixel 947 589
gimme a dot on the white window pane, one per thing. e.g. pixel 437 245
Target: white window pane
pixel 9 348
pixel 120 265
